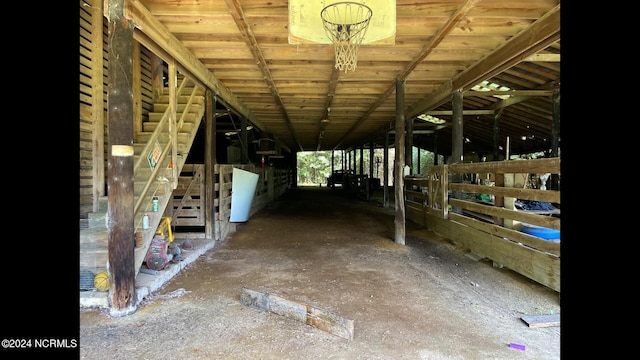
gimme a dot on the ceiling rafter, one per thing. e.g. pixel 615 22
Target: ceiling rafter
pixel 246 47
pixel 426 50
pixel 238 16
pixel 333 82
pixel 538 36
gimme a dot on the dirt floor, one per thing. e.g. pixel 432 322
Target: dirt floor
pixel 426 299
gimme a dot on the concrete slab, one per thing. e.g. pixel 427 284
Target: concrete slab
pixel 146 284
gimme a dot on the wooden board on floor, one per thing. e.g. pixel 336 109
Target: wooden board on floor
pixel 537 321
pixel 311 315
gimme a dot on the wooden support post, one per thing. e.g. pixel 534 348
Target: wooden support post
pixel 508 202
pixel 498 200
pixel 173 131
pixel 209 163
pixel 270 184
pixel 435 148
pixel 120 179
pixel 554 184
pixel 371 161
pixel 361 160
pixel 244 143
pixel 400 230
pixel 457 143
pixel 496 135
pixel 136 87
pixel 97 103
pixel 408 150
pixel 385 171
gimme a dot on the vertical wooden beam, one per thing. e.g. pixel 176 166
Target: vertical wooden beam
pixel 120 224
pixel 348 159
pixel 173 108
pixel 508 202
pixel 400 230
pixel 294 165
pixel 371 160
pixel 555 122
pixel 457 142
pixel 137 89
pixel 554 184
pixel 435 147
pixel 385 171
pixel 498 201
pixel 408 151
pixel 361 160
pixel 355 160
pixel 243 136
pixel 157 73
pixel 496 136
pixel 97 102
pixel 221 199
pixel 501 179
pixel 370 178
pixel 333 158
pixel 270 183
pixel 209 163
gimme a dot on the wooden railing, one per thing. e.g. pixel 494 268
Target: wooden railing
pixel 163 177
pixel 479 211
pixel 160 161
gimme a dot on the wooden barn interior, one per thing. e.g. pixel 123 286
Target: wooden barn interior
pixel 178 96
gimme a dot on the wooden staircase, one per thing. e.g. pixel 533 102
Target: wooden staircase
pixel 174 139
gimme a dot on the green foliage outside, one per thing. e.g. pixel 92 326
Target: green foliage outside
pixel 314 167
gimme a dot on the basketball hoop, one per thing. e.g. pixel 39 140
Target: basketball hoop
pixel 346 24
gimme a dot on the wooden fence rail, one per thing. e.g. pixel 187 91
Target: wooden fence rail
pixel 480 212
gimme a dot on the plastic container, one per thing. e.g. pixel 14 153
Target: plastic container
pixel 541 232
pixel 154 206
pixel 145 221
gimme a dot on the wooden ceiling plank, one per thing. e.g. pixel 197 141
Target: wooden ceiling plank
pixel 543 32
pixel 245 29
pixel 146 24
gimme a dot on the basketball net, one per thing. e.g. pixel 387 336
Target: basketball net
pixel 346 24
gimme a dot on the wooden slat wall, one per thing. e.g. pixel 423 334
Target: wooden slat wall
pixel 92 61
pixel 147 85
pixel 188 197
pixel 92 180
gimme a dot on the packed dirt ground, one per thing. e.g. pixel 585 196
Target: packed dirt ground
pixel 423 300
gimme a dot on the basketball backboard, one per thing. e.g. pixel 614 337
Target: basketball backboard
pixel 306 27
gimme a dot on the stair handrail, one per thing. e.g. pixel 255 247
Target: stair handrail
pixel 147 148
pixel 170 146
pixel 180 123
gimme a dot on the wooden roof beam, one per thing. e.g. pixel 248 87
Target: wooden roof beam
pixel 252 43
pixel 442 33
pixel 333 82
pixel 155 36
pixel 538 36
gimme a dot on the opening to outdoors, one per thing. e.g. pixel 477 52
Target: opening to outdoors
pixel 315 167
